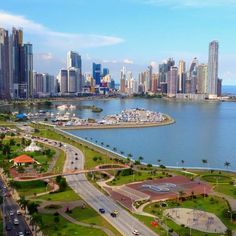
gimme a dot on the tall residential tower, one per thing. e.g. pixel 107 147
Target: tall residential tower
pixel 213 68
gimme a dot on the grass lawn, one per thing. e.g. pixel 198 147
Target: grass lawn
pixel 61 157
pixel 31 187
pixel 66 196
pixel 65 228
pixel 89 153
pixel 214 205
pixel 227 189
pixel 186 231
pixel 137 176
pixel 216 178
pixel 90 216
pixel 147 221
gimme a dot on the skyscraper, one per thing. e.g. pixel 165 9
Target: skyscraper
pixel 97 73
pixel 172 79
pixel 74 60
pixel 181 76
pixel 4 64
pixel 27 77
pixel 202 79
pixel 72 80
pixel 63 81
pixel 212 68
pixel 193 75
pixel 16 65
pixel 123 80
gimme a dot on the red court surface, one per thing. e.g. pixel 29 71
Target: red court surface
pixel 183 184
pixel 161 189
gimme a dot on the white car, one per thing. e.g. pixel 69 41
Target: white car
pixel 135 232
pixel 18 212
pixel 16 221
pixel 11 213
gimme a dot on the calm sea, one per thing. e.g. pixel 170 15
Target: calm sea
pixel 203 130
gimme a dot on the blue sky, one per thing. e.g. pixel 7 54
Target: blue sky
pixel 125 32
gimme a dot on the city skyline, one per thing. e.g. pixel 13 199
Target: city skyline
pixel 114 39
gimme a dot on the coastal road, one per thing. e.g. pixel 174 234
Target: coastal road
pixel 124 222
pixel 8 205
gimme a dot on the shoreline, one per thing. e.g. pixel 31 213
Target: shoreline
pixel 168 121
pixel 172 167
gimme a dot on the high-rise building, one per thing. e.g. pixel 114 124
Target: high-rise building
pixel 72 80
pixel 123 80
pixel 27 79
pixel 63 81
pixel 16 70
pixel 202 79
pixel 149 78
pixel 213 68
pixel 4 64
pixel 154 82
pixel 105 71
pixel 193 75
pixel 219 87
pixel 74 60
pixel 97 73
pixel 172 80
pixel 43 85
pixel 181 76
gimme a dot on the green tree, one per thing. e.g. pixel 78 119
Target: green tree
pixel 6 149
pixel 2 136
pixel 23 202
pixel 204 161
pixel 32 207
pixel 227 164
pixel 12 142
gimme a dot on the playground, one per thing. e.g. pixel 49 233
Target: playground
pixel 196 219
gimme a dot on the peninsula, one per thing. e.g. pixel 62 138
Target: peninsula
pixel 130 118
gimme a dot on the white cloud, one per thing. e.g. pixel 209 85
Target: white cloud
pixel 56 40
pixel 190 3
pixel 127 61
pixel 44 56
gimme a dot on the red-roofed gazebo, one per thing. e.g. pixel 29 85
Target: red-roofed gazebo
pixel 23 159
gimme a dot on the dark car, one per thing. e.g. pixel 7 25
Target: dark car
pixel 8 226
pixel 114 213
pixel 101 210
pixel 27 232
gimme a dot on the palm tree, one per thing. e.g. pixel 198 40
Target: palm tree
pixel 140 158
pixel 204 161
pixel 159 161
pixel 2 136
pixel 130 155
pixel 6 149
pixel 121 152
pixel 180 194
pixel 227 164
pixel 114 149
pixel 35 220
pixel 192 194
pixel 182 161
pixel 102 143
pixel 23 202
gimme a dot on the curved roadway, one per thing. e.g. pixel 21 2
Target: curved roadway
pixel 125 223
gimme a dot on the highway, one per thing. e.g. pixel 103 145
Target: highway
pixel 125 223
pixel 8 205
